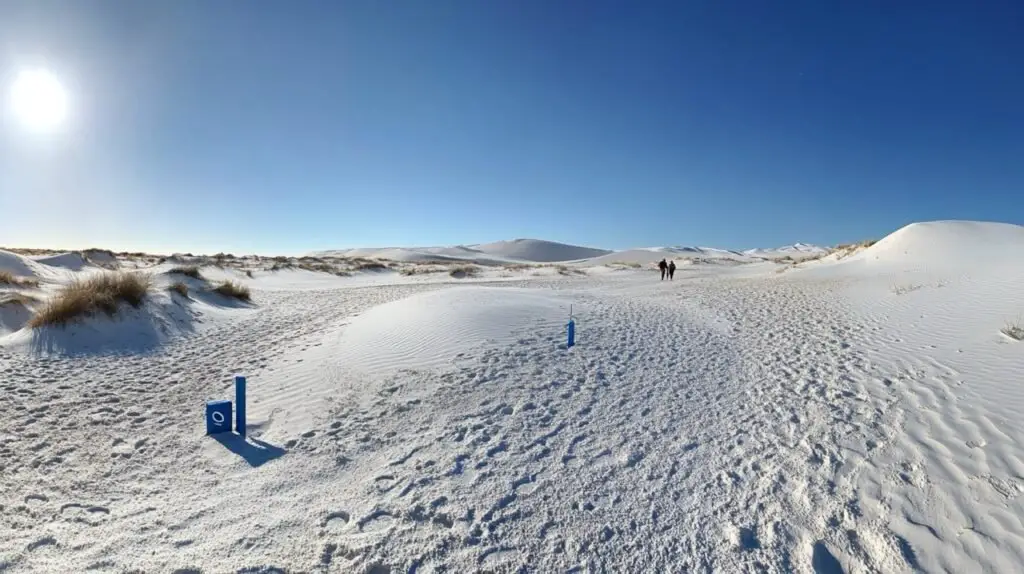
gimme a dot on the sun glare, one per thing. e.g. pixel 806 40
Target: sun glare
pixel 38 100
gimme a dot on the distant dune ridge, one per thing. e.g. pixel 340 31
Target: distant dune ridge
pixel 541 251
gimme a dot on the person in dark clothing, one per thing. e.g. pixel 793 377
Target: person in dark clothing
pixel 663 266
pixel 671 269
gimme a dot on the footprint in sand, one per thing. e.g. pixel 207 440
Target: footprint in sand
pixel 336 521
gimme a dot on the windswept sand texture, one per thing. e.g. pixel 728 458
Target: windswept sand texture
pixel 854 413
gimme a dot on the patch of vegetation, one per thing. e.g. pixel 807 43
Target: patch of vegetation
pixel 188 271
pixel 367 265
pixel 8 278
pixel 103 292
pixel 179 288
pixel 625 264
pixel 904 289
pixel 317 267
pixel 461 271
pixel 234 290
pixel 1014 331
pixel 418 270
pixel 566 270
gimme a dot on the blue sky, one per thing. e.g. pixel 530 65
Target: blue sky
pixel 282 127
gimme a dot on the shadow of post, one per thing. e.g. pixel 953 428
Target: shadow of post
pixel 254 451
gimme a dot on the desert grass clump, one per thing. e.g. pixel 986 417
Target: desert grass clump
pixel 103 292
pixel 904 289
pixel 1014 331
pixel 188 271
pixel 179 288
pixel 8 278
pixel 319 267
pixel 367 265
pixel 566 270
pixel 234 290
pixel 460 271
pixel 417 270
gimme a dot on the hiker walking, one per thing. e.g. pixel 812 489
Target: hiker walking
pixel 663 266
pixel 671 269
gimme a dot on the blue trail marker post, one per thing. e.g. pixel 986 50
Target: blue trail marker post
pixel 240 404
pixel 218 417
pixel 572 330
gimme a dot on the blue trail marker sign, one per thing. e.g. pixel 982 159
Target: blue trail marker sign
pixel 218 417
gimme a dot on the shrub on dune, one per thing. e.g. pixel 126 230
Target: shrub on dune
pixel 566 270
pixel 188 271
pixel 179 288
pixel 234 291
pixel 370 266
pixel 464 271
pixel 1014 331
pixel 104 292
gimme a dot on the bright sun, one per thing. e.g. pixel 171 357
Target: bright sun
pixel 38 100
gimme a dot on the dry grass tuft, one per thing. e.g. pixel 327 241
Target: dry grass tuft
pixel 318 267
pixel 625 264
pixel 904 289
pixel 179 288
pixel 367 265
pixel 234 290
pixel 1014 331
pixel 566 270
pixel 461 271
pixel 83 298
pixel 188 271
pixel 418 270
pixel 8 278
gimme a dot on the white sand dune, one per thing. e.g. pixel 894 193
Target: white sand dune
pixel 538 251
pixel 68 261
pixel 420 254
pixel 18 265
pixel 431 329
pixel 517 250
pixel 796 250
pixel 681 255
pixel 856 415
pixel 947 244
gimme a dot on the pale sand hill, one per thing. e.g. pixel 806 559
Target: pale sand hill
pixel 518 250
pixel 859 415
pixel 536 251
pixel 539 251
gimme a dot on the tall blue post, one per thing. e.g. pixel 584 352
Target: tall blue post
pixel 572 334
pixel 240 404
